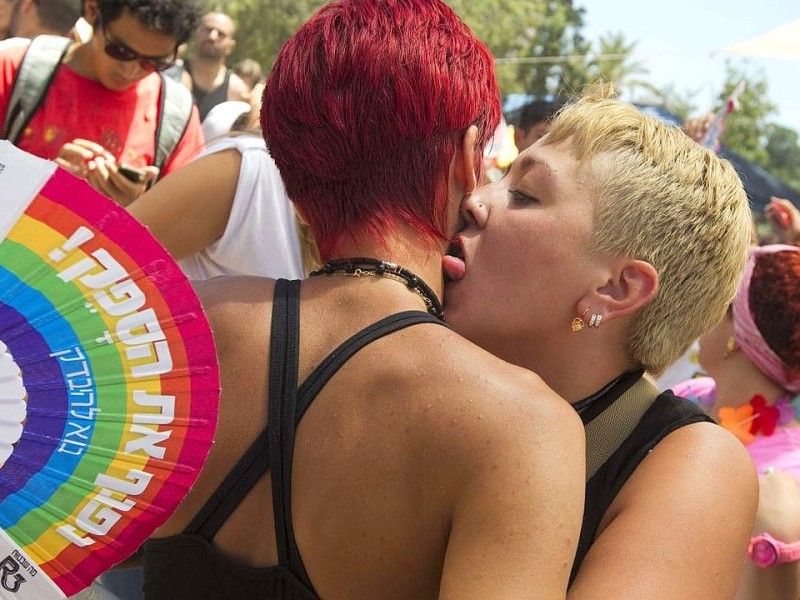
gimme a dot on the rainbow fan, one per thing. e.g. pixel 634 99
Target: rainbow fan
pixel 108 381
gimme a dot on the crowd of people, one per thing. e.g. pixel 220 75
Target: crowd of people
pixel 434 385
pixel 111 97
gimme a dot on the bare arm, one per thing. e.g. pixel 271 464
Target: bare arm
pixel 515 527
pixel 189 209
pixel 679 527
pixel 778 515
pixel 237 89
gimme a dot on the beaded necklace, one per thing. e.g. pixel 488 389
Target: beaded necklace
pixel 373 267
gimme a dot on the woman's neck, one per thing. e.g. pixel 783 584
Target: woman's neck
pixel 740 382
pixel 425 263
pixel 574 370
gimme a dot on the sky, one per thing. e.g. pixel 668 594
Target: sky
pixel 679 43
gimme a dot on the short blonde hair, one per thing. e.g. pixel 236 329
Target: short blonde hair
pixel 664 199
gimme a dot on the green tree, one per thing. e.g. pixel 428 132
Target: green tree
pixel 518 32
pixel 559 34
pixel 614 62
pixel 677 102
pixel 783 154
pixel 525 36
pixel 264 25
pixel 746 128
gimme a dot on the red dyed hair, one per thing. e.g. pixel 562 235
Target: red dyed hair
pixel 364 109
pixel 775 305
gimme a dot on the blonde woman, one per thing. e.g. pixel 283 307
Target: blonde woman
pixel 613 243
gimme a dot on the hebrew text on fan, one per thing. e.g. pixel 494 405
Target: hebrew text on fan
pixel 136 328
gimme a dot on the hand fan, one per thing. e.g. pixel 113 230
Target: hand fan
pixel 108 381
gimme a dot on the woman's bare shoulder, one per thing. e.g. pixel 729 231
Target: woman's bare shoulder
pixel 700 481
pixel 491 379
pixel 237 309
pixel 488 395
pixel 227 295
pixel 706 464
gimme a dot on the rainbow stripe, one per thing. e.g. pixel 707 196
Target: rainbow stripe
pixel 103 458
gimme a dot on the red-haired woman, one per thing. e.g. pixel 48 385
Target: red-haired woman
pixel 364 450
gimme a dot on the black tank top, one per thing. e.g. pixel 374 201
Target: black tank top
pixel 667 414
pixel 208 99
pixel 188 566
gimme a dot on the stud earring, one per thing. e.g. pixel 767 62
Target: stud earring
pixel 577 322
pixel 595 320
pixel 730 347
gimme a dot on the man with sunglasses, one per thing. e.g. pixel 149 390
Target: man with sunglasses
pixel 102 108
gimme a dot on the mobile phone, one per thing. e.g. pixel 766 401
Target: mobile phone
pixel 132 173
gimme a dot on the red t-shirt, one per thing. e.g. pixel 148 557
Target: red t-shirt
pixel 124 123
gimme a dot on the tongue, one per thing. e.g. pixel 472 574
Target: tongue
pixel 454 268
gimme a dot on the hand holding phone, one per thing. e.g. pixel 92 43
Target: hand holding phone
pixel 131 173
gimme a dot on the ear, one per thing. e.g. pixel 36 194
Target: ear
pixel 91 10
pixel 632 285
pixel 464 161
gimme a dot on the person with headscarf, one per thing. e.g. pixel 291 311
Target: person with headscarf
pixel 753 360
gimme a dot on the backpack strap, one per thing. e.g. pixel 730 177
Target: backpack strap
pixel 174 113
pixel 606 432
pixel 36 73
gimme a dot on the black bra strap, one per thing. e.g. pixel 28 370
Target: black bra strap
pixel 245 474
pixel 334 361
pixel 287 405
pixel 233 489
pixel 283 359
pixel 309 390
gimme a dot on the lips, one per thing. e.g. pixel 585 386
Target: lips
pixel 453 264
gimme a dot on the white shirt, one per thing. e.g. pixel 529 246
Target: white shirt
pixel 261 236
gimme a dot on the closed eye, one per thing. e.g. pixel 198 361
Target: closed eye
pixel 519 198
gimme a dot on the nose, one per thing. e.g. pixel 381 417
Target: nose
pixel 475 210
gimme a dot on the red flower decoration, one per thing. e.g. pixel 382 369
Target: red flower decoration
pixel 766 417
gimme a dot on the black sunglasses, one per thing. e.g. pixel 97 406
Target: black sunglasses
pixel 119 51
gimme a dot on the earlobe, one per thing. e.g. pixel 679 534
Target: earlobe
pixel 634 286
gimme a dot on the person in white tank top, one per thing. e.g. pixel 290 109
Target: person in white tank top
pixel 226 213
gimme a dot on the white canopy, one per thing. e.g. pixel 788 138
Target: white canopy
pixel 781 42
